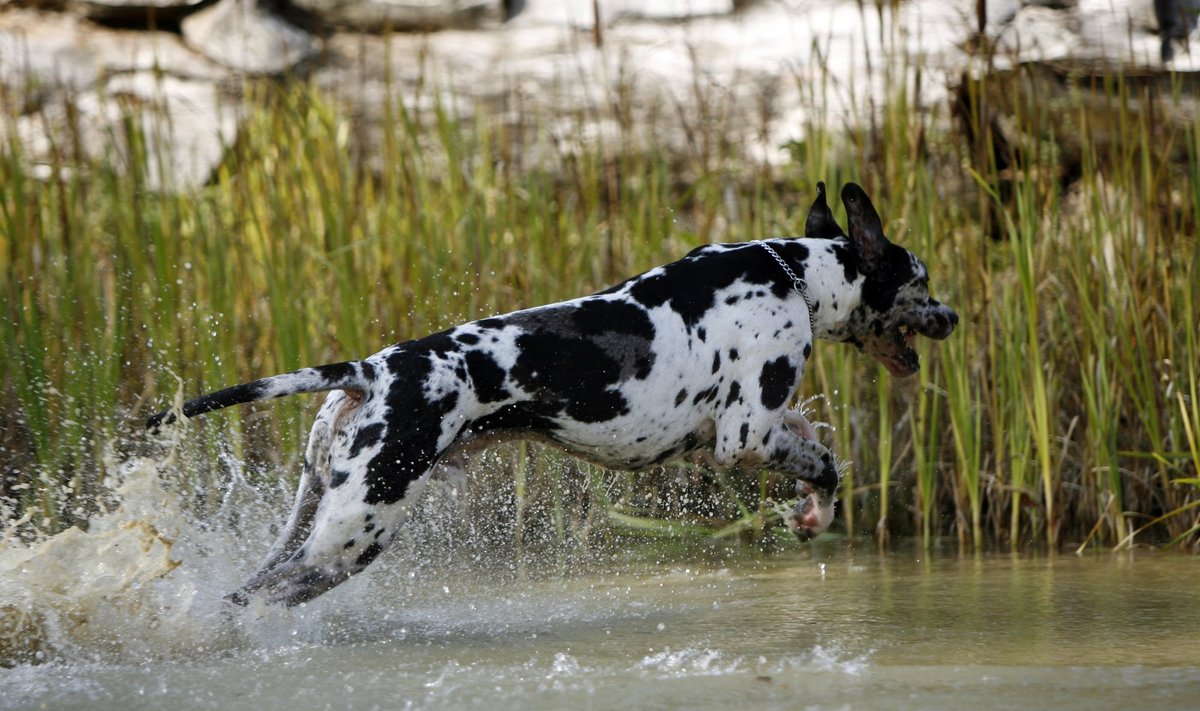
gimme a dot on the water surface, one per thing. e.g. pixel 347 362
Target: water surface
pixel 839 627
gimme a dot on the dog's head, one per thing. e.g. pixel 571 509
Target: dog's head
pixel 896 305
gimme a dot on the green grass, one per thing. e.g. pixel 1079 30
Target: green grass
pixel 1064 410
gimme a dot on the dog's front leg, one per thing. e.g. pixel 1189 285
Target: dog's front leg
pixel 816 480
pixel 775 441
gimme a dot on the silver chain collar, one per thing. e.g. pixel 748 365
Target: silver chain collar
pixel 798 284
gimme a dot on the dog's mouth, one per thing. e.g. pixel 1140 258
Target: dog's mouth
pixel 893 349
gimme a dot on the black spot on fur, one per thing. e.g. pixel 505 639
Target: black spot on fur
pixel 349 544
pixel 892 271
pixel 368 528
pixel 367 436
pixel 467 339
pixel 807 350
pixel 716 362
pixel 336 372
pixel 849 261
pixel 598 317
pixel 826 481
pixel 486 376
pixel 338 477
pixel 369 554
pixel 574 373
pixel 706 395
pixel 689 286
pixel 744 433
pixel 735 392
pixel 519 417
pixel 680 397
pixel 410 452
pixel 733 354
pixel 618 332
pixel 776 380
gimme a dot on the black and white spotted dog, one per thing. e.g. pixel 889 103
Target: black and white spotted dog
pixel 704 352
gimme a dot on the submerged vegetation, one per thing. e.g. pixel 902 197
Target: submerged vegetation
pixel 1065 411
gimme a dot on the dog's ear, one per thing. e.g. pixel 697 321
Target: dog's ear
pixel 866 229
pixel 820 223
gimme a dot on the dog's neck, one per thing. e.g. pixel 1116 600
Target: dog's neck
pixel 832 297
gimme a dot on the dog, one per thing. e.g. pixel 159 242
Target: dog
pixel 704 352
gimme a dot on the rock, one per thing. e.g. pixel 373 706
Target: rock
pixel 384 15
pixel 1093 32
pixel 582 13
pixel 55 51
pixel 240 35
pixel 999 13
pixel 650 83
pixel 185 125
pixel 1117 31
pixel 1040 34
pixel 150 11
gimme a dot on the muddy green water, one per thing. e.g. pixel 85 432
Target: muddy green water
pixel 839 627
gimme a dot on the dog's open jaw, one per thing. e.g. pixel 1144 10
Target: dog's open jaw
pixel 893 348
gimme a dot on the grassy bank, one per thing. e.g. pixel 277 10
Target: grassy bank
pixel 1064 411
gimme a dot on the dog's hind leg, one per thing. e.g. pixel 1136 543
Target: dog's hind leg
pixel 308 496
pixel 352 523
pixel 313 479
pixel 345 535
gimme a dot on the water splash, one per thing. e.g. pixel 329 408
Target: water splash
pixel 141 580
pixel 145 578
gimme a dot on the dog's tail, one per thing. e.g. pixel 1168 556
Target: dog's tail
pixel 351 375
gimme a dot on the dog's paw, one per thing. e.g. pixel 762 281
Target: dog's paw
pixel 812 514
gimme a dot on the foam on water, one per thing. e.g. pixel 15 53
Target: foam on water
pixel 144 580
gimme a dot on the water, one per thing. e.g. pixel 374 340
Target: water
pixel 128 616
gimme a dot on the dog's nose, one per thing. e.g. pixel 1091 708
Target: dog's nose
pixel 941 322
